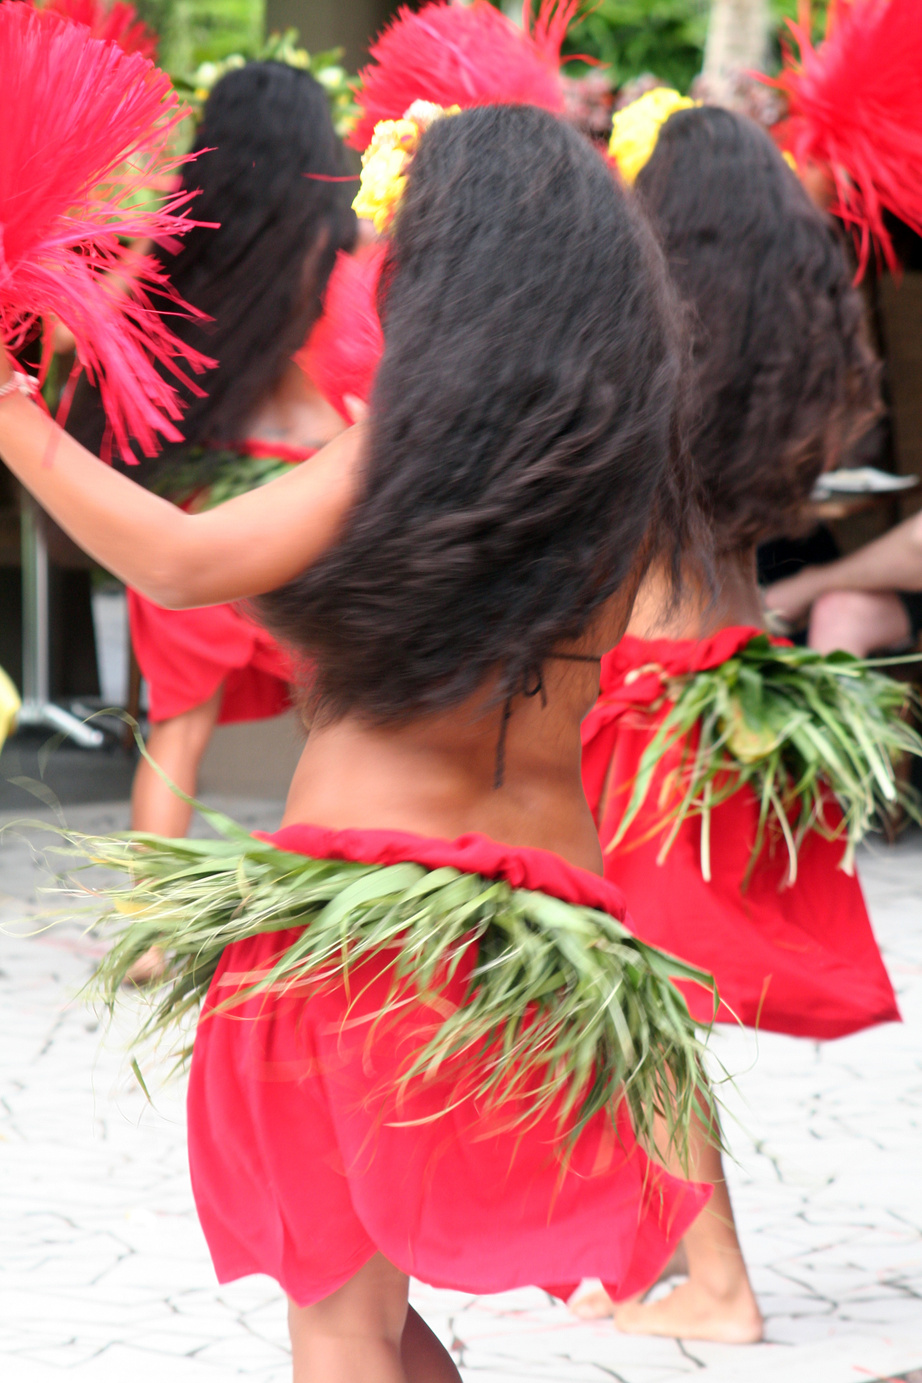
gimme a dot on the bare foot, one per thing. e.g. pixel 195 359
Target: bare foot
pixel 592 1305
pixel 147 968
pixel 595 1304
pixel 694 1312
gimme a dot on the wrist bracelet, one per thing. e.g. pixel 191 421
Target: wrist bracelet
pixel 18 382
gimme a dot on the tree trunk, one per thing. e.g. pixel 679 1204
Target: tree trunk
pixel 737 41
pixel 349 24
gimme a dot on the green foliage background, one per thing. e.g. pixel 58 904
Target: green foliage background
pixel 664 37
pixel 196 31
pixel 631 37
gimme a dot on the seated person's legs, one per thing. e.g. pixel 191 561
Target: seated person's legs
pixel 861 622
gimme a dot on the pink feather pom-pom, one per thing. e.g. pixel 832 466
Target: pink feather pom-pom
pixel 465 55
pixel 341 354
pixel 855 109
pixel 86 130
pixel 117 23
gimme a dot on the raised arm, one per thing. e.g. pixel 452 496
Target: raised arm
pixel 249 545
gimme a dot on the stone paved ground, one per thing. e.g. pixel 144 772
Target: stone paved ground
pixel 104 1274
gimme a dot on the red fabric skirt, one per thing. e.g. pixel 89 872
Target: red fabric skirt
pixel 306 1159
pixel 799 959
pixel 185 656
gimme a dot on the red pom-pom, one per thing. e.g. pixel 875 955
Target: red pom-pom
pixel 465 55
pixel 86 129
pixel 855 108
pixel 117 23
pixel 342 352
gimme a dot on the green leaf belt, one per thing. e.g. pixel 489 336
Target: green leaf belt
pixel 205 478
pixel 563 1006
pixel 793 725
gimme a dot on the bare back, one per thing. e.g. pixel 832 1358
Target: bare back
pixel 436 775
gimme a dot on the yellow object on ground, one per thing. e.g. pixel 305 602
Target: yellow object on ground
pixel 9 706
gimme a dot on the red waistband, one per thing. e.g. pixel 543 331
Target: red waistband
pixel 520 866
pixel 280 451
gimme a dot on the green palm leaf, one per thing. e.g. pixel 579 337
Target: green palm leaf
pixel 563 1001
pixel 793 726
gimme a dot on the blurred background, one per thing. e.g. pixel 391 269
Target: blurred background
pixel 632 37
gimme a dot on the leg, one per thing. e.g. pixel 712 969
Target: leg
pixel 177 745
pixel 366 1333
pixel 717 1302
pixel 425 1358
pixel 861 622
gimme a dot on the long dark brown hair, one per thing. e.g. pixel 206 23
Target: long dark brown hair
pixel 523 426
pixel 782 377
pixel 266 173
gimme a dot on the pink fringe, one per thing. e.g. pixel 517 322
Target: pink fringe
pixel 462 55
pixel 87 129
pixel 855 107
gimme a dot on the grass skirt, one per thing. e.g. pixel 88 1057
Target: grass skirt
pixel 310 1153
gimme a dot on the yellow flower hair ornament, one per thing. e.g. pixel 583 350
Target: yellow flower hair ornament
pixel 387 158
pixel 635 129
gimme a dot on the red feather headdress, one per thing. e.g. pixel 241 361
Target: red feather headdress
pixel 86 128
pixel 855 108
pixel 117 23
pixel 465 55
pixel 342 352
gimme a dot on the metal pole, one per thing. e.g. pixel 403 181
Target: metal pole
pixel 37 707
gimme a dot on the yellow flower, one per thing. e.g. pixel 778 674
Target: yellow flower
pixel 423 113
pixel 385 161
pixel 635 129
pixel 9 706
pixel 383 177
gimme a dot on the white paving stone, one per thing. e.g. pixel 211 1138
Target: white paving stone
pixel 104 1274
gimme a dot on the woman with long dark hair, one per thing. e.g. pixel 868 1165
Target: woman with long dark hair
pixel 275 211
pixel 755 888
pixel 430 1044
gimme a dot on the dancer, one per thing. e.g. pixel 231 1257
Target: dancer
pixel 274 219
pixel 282 208
pixel 729 861
pixel 458 1101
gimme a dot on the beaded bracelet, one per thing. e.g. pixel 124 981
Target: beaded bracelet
pixel 24 384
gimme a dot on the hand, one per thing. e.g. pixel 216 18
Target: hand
pixel 792 597
pixel 357 410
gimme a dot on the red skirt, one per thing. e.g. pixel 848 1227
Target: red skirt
pixel 798 959
pixel 306 1160
pixel 186 655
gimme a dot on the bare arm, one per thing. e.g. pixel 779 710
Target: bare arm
pixel 249 545
pixel 890 563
